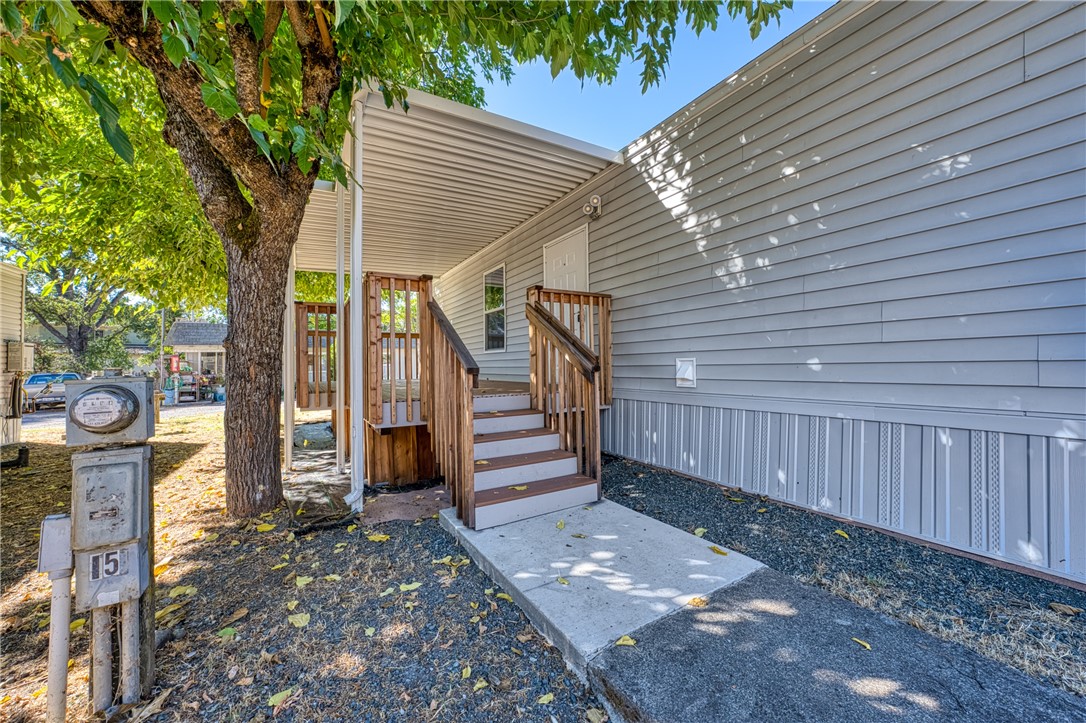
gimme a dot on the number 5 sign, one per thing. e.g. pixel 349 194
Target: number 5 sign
pixel 107 576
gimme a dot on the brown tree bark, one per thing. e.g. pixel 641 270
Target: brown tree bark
pixel 258 230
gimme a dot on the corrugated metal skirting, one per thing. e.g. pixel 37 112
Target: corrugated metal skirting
pixel 1019 498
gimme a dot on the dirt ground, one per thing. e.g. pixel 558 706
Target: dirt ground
pixel 356 619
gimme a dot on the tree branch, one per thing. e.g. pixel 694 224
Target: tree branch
pixel 246 52
pixel 39 315
pixel 179 89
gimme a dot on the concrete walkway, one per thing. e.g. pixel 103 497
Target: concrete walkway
pixel 723 638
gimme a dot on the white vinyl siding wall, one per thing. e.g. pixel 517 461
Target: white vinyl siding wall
pixel 872 239
pixel 12 289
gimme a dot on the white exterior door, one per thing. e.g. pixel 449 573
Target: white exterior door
pixel 565 262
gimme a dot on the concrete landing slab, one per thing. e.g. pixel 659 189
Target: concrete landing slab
pixel 624 570
pixel 771 649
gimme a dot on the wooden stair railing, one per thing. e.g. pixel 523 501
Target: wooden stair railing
pixel 452 375
pixel 315 350
pixel 566 387
pixel 396 323
pixel 588 317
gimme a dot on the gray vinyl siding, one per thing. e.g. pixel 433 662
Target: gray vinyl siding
pixel 873 240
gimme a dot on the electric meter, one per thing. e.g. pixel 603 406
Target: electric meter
pixel 109 411
pixel 104 409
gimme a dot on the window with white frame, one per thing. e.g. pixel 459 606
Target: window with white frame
pixel 494 309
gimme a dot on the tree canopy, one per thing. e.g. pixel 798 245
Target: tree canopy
pixel 257 98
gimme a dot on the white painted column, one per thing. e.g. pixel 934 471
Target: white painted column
pixel 358 339
pixel 289 372
pixel 341 406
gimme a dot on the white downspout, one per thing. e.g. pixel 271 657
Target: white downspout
pixel 289 372
pixel 341 406
pixel 358 340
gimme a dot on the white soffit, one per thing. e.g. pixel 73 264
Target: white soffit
pixel 441 182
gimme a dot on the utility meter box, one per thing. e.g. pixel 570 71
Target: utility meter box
pixel 110 525
pixel 110 488
pixel 109 411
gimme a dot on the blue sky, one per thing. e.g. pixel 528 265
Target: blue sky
pixel 612 116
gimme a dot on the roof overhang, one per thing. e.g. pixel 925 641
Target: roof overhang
pixel 440 182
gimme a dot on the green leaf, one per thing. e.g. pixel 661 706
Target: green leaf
pixel 220 100
pixel 176 48
pixel 164 10
pixel 343 9
pixel 9 15
pixel 261 141
pixel 258 123
pixel 61 63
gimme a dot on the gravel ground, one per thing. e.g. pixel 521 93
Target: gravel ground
pixel 1001 614
pixel 449 649
pixel 396 628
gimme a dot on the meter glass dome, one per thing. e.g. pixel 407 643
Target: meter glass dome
pixel 105 409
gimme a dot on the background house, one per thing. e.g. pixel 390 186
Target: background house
pixel 201 343
pixel 870 243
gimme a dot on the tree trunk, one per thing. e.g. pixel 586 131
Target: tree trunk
pixel 254 344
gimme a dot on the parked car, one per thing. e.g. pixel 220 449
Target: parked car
pixel 47 387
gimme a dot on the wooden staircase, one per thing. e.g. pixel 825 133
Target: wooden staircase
pixel 509 456
pixel 520 470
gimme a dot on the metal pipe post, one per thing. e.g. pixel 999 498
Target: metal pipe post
pixel 60 610
pixel 101 660
pixel 130 651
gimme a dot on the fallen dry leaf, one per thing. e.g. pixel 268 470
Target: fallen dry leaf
pixel 700 532
pixel 1065 609
pixel 545 699
pixel 279 697
pixel 237 615
pixel 561 524
pixel 841 533
pixel 563 581
pixel 718 551
pixel 302 580
pixel 595 715
pixel 862 644
pixel 479 685
pixel 698 602
pixel 504 596
pixel 377 537
pixel 299 620
pixel 265 527
pixel 626 640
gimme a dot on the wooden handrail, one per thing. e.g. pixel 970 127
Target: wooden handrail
pixel 587 316
pixel 541 293
pixel 559 334
pixel 566 386
pixel 458 345
pixel 451 374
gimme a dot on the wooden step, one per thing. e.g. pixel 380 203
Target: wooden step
pixel 502 505
pixel 518 469
pixel 507 420
pixel 499 495
pixel 519 441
